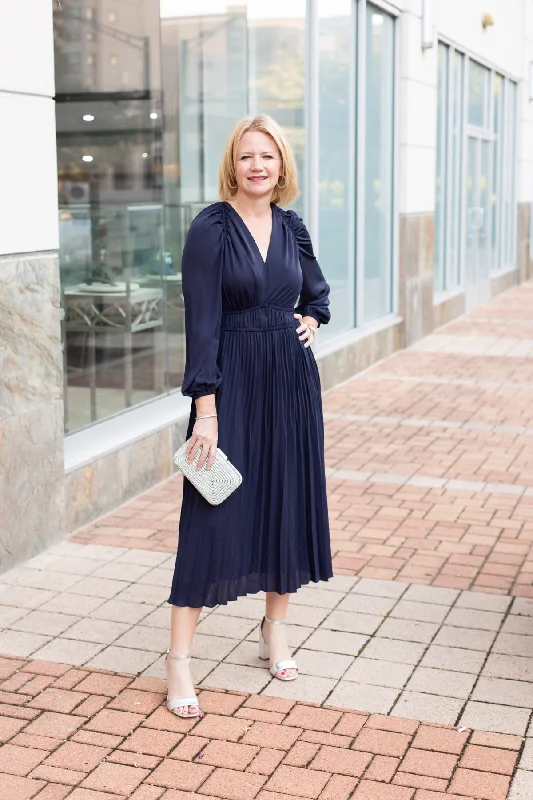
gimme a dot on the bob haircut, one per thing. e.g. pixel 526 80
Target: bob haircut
pixel 227 182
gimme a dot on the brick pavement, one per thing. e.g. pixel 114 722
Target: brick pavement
pixel 89 735
pixel 428 621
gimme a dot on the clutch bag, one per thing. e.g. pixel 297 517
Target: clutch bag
pixel 215 484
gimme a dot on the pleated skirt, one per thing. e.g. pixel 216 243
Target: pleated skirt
pixel 272 533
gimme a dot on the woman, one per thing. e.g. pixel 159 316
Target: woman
pixel 256 394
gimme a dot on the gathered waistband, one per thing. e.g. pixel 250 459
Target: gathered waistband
pixel 261 318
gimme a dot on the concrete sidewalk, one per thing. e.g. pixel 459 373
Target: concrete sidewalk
pixel 428 621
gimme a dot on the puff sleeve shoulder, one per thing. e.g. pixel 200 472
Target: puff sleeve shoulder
pixel 314 297
pixel 202 293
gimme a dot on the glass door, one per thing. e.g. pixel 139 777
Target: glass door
pixel 477 256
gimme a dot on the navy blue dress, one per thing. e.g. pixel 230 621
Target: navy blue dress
pixel 272 533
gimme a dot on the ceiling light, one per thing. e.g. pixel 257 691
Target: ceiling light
pixel 88 118
pixel 87 158
pixel 153 115
pixel 145 155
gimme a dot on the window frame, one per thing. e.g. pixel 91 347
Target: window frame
pixel 455 274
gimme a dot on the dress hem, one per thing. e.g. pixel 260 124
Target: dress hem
pixel 264 587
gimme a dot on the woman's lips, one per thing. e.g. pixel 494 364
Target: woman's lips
pixel 258 178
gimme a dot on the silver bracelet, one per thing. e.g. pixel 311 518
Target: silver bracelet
pixel 207 416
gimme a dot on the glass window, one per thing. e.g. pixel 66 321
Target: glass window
pixel 441 176
pixel 379 131
pixel 336 171
pixel 456 205
pixel 496 195
pixel 478 95
pixel 509 202
pixel 233 60
pixel 113 265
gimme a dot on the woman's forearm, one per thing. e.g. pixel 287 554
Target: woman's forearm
pixel 205 405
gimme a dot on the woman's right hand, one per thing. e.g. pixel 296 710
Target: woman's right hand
pixel 204 437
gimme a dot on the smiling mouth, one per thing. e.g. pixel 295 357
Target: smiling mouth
pixel 258 178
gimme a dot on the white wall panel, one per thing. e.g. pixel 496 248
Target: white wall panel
pixel 417 179
pixel 461 21
pixel 27 46
pixel 28 188
pixel 418 113
pixel 421 65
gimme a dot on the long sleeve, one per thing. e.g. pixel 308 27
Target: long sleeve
pixel 202 292
pixel 314 297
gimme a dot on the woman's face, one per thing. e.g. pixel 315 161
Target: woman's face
pixel 258 165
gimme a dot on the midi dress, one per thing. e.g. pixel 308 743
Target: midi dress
pixel 272 533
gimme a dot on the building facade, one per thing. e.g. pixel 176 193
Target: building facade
pixel 412 126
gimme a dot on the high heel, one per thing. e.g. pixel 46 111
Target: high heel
pixel 264 653
pixel 172 705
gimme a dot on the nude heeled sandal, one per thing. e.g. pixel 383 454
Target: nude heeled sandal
pixel 264 653
pixel 182 701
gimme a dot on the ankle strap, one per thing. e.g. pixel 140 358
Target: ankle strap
pixel 274 621
pixel 179 657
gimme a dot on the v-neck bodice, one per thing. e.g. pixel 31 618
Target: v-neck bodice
pixel 252 237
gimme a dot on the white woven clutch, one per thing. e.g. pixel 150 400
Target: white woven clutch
pixel 215 484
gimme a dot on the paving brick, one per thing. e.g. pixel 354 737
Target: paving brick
pixel 70 777
pixel 54 791
pixel 277 736
pixel 343 762
pixel 226 783
pixel 383 743
pixel 133 759
pixel 500 740
pixel 13 786
pixel 301 754
pixel 214 726
pixel 382 768
pixel 296 781
pixel 420 781
pixel 9 727
pixel 60 700
pixel 266 761
pixel 435 765
pixel 229 754
pixel 220 703
pixel 331 739
pixel 119 723
pixel 150 742
pixel 265 703
pixel 37 742
pixel 182 775
pixel 98 739
pixel 318 719
pixel 138 702
pixel 57 726
pixel 101 684
pixel 350 724
pixel 16 760
pixel 483 785
pixel 489 759
pixel 372 790
pixel 339 787
pixel 84 757
pixel 442 740
pixel 189 747
pixel 392 724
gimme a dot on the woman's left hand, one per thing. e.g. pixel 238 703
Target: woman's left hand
pixel 305 334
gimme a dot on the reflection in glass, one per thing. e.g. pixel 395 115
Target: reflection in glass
pixel 220 62
pixel 509 216
pixel 478 95
pixel 456 211
pixel 497 127
pixel 378 164
pixel 336 217
pixel 441 184
pixel 112 257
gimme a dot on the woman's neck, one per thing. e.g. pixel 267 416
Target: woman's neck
pixel 251 207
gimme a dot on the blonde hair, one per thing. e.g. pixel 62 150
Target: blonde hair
pixel 227 180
